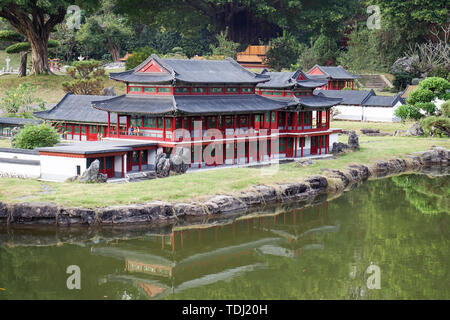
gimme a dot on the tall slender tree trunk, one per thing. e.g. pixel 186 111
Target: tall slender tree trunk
pixel 23 64
pixel 115 53
pixel 39 54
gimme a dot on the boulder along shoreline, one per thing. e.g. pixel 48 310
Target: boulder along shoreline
pixel 330 181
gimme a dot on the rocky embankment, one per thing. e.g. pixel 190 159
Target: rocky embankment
pixel 329 181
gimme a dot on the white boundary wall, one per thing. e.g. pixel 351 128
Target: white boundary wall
pixel 55 168
pixel 358 113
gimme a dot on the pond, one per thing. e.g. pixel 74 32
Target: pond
pixel 387 239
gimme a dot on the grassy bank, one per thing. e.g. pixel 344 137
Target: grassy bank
pixel 388 127
pixel 5 143
pixel 198 185
pixel 48 87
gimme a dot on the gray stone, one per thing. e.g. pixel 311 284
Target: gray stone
pixel 399 133
pixel 162 165
pixel 353 140
pixel 92 175
pixel 339 147
pixel 369 130
pixel 36 213
pixel 223 203
pixel 404 64
pixel 304 162
pixel 109 91
pixel 317 182
pixel 415 130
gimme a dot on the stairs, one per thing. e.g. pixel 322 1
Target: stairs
pixel 374 81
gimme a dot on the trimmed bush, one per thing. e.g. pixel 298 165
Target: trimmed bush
pixel 445 108
pixel 138 56
pixel 36 136
pixel 407 111
pixel 420 95
pixel 438 86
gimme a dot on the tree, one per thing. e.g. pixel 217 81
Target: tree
pixel 105 29
pixel 138 56
pixel 21 47
pixel 438 86
pixel 283 52
pixel 325 50
pixel 35 20
pixel 36 136
pixel 224 47
pixel 88 78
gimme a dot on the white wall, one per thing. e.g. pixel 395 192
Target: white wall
pixel 334 137
pixel 22 156
pixel 381 114
pixel 19 170
pixel 56 168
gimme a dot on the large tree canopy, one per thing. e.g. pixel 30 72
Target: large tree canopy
pixel 248 21
pixel 36 19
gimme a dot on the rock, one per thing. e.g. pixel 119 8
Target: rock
pixel 188 209
pixel 75 216
pixel 399 133
pixel 304 162
pixel 267 194
pixel 138 213
pixel 92 174
pixel 353 140
pixel 404 64
pixel 332 173
pixel 339 147
pixel 109 91
pixel 36 213
pixel 415 130
pixel 162 165
pixel 179 162
pixel 317 182
pixel 223 203
pixel 3 213
pixel 293 190
pixel 369 130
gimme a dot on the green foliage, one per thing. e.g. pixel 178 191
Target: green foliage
pixel 138 56
pixel 445 108
pixel 307 58
pixel 325 50
pixel 362 52
pixel 441 72
pixel 284 52
pixel 438 86
pixel 36 136
pixel 436 126
pixel 401 80
pixel 88 78
pixel 420 95
pixel 25 46
pixel 428 107
pixel 9 35
pixel 407 112
pixel 224 47
pixel 18 101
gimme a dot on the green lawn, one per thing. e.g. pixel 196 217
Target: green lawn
pixel 5 143
pixel 49 86
pixel 388 127
pixel 198 185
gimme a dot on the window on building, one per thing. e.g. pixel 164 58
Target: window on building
pixel 76 129
pixel 136 122
pixel 277 93
pixel 160 123
pixel 267 117
pixel 108 164
pixel 281 118
pixel 135 89
pixel 247 90
pixel 216 90
pixel 135 157
pixel 152 90
pixel 92 129
pixel 232 90
pixel 182 90
pixel 282 146
pixel 163 90
pixel 83 129
pixel 243 121
pixel 229 121
pixel 187 121
pixel 178 123
pixel 257 118
pixel 150 122
pixel 144 156
pixel 168 123
pixel 274 117
pixel 267 93
pixel 198 90
pixel 211 122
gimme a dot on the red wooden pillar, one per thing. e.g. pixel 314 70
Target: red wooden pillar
pixel 164 128
pixel 109 122
pixel 326 143
pixel 79 130
pixel 118 125
pixel 286 120
pixel 123 166
pixel 303 121
pixel 301 146
pixel 140 160
pixel 295 127
pixel 65 130
pixel 295 147
pixel 320 144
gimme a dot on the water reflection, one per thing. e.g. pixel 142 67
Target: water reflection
pixel 318 250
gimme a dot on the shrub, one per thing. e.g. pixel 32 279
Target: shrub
pixel 438 86
pixel 35 136
pixel 420 95
pixel 138 56
pixel 306 60
pixel 428 107
pixel 18 101
pixel 406 112
pixel 225 47
pixel 402 79
pixel 436 126
pixel 441 72
pixel 445 108
pixel 88 78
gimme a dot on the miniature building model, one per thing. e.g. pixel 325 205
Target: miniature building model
pixel 217 111
pixel 253 57
pixel 337 77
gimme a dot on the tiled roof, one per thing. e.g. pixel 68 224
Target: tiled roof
pixel 19 121
pixel 349 97
pixel 189 104
pixel 382 101
pixel 191 71
pixel 337 73
pixel 288 80
pixel 77 108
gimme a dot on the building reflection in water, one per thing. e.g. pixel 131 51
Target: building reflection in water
pixel 198 255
